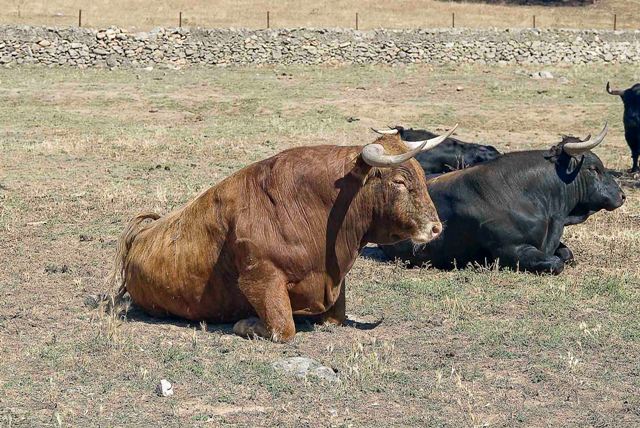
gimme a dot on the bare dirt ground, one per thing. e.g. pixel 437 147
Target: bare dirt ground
pixel 142 14
pixel 82 151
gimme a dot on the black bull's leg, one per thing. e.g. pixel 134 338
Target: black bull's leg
pixel 530 259
pixel 565 254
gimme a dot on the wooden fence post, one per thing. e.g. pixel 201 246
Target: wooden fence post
pixel 268 19
pixel 356 20
pixel 80 18
pixel 453 20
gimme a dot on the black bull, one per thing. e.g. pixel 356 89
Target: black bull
pixel 450 155
pixel 631 120
pixel 513 210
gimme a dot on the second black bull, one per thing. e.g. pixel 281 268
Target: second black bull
pixel 451 155
pixel 514 209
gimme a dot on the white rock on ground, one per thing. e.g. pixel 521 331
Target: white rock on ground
pixel 303 368
pixel 164 388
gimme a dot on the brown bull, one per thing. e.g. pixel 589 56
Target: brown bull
pixel 277 238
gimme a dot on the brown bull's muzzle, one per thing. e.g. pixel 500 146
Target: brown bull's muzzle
pixel 431 231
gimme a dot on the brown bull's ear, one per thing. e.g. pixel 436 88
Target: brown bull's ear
pixel 361 170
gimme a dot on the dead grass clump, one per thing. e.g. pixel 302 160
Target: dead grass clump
pixel 109 317
pixel 368 361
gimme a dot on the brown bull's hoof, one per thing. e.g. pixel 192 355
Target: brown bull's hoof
pixel 254 327
pixel 330 320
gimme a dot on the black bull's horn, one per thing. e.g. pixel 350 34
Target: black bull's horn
pixel 575 149
pixel 619 92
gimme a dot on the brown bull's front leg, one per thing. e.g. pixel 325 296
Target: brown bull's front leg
pixel 337 313
pixel 265 287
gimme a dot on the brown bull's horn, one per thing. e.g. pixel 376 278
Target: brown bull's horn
pixel 575 149
pixel 431 143
pixel 615 91
pixel 375 155
pixel 389 131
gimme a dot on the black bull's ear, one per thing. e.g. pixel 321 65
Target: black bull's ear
pixel 567 167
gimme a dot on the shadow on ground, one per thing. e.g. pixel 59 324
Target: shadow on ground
pixel 303 323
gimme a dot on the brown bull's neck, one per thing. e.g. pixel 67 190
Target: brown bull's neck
pixel 351 215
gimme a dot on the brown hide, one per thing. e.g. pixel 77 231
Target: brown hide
pixel 299 217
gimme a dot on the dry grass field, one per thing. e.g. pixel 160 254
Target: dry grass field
pixel 82 151
pixel 138 14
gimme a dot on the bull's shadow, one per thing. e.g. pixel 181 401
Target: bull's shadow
pixel 303 323
pixel 135 314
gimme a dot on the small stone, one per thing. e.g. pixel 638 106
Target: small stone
pixel 112 62
pixel 44 43
pixel 459 89
pixel 546 75
pixel 164 388
pixel 141 37
pixel 100 51
pixel 303 368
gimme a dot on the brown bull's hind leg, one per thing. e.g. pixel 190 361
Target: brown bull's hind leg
pixel 266 290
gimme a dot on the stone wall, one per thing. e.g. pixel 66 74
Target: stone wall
pixel 179 47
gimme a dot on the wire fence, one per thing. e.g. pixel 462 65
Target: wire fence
pixel 358 20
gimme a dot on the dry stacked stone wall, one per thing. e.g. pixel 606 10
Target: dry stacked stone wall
pixel 181 47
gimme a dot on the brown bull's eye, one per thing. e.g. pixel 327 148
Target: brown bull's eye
pixel 399 181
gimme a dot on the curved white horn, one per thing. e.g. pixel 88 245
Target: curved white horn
pixel 375 155
pixel 575 149
pixel 431 143
pixel 385 131
pixel 615 91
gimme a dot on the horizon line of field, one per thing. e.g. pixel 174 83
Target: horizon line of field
pixel 356 23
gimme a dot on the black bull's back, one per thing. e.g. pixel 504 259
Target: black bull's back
pixel 512 209
pixel 450 155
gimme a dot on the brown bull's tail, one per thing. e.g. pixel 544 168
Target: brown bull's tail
pixel 124 245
